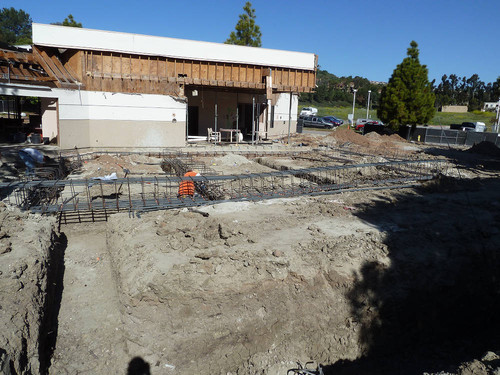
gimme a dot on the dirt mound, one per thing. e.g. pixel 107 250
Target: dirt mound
pixel 373 135
pixel 232 159
pixel 136 164
pixel 350 136
pixel 395 137
pixel 485 148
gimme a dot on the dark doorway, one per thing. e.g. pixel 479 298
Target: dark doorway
pixel 193 120
pixel 245 119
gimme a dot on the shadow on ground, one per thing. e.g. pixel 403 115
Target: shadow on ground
pixel 483 156
pixel 437 304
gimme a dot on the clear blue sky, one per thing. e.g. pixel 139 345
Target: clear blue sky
pixel 364 38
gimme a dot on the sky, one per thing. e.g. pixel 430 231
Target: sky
pixel 351 38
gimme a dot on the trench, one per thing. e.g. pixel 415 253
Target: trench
pixel 50 320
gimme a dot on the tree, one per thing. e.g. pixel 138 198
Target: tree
pixel 15 26
pixel 68 21
pixel 247 32
pixel 408 96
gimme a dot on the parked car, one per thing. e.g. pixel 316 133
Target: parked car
pixel 308 111
pixel 315 122
pixel 469 126
pixel 332 119
pixel 361 124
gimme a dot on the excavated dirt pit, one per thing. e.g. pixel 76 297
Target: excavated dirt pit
pixel 387 282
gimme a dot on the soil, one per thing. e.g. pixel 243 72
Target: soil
pixel 375 282
pixel 26 243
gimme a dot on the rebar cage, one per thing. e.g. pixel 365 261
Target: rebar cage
pixel 84 199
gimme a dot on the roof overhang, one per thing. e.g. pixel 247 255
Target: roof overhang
pixel 99 40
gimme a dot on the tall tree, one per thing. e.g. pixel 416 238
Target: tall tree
pixel 408 97
pixel 247 33
pixel 15 26
pixel 68 21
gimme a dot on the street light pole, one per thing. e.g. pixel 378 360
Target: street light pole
pixel 497 122
pixel 353 101
pixel 368 106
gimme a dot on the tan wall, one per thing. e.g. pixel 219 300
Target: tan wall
pixel 120 133
pixel 49 117
pixel 281 128
pixel 454 108
pixel 74 133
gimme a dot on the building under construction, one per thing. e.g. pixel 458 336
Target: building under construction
pixel 110 89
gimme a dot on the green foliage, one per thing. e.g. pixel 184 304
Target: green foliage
pixel 495 90
pixel 15 26
pixel 247 32
pixel 68 21
pixel 408 97
pixel 446 118
pixel 472 92
pixel 340 112
pixel 338 91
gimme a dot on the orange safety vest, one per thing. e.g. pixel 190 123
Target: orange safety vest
pixel 186 187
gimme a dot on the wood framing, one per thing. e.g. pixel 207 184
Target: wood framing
pixel 119 72
pixel 22 67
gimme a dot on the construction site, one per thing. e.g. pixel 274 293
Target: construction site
pixel 359 254
pixel 327 252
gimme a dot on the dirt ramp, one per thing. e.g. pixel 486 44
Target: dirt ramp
pixel 233 292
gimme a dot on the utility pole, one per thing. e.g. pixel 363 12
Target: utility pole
pixel 368 105
pixel 353 101
pixel 497 126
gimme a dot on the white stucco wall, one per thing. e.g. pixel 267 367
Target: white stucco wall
pixel 97 105
pixel 281 115
pixel 104 119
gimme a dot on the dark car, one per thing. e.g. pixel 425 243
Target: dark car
pixel 315 122
pixel 359 127
pixel 333 120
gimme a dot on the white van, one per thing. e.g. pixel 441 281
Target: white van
pixel 480 127
pixel 308 111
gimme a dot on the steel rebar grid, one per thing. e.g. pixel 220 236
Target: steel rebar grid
pixel 340 153
pixel 155 193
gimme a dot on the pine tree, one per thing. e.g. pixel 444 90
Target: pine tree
pixel 247 32
pixel 70 21
pixel 15 26
pixel 407 99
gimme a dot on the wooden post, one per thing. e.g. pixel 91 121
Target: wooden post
pixel 289 119
pixel 237 119
pixel 253 120
pixel 215 125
